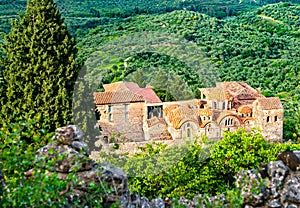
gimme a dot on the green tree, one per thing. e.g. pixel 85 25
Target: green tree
pixel 39 67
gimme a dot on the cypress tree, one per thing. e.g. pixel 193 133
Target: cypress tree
pixel 39 67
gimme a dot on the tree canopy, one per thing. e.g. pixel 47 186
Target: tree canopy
pixel 39 67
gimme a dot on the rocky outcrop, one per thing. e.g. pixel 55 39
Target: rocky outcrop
pixel 69 154
pixel 275 185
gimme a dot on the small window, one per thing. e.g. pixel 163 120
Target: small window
pixel 110 109
pixel 275 118
pixel 268 119
pixel 110 117
pixel 188 133
pixel 204 118
pixel 208 127
pixel 126 115
pixel 224 106
pixel 126 107
pixel 215 105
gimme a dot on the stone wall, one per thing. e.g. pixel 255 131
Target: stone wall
pixel 129 147
pixel 124 125
pixel 270 122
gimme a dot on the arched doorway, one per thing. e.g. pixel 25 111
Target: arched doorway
pixel 189 130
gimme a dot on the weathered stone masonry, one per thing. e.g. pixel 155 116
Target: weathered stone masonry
pixel 129 113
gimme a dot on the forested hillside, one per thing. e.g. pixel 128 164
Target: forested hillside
pixel 83 15
pixel 260 47
pixel 234 41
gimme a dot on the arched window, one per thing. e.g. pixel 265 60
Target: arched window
pixel 275 118
pixel 224 105
pixel 208 127
pixel 188 133
pixel 215 105
pixel 268 119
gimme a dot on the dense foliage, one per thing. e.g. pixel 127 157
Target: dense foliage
pixel 84 15
pixel 260 47
pixel 42 189
pixel 39 68
pixel 199 167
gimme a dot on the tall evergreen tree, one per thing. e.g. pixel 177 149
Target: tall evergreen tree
pixel 39 67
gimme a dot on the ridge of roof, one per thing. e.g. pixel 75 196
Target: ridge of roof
pixel 270 103
pixel 124 92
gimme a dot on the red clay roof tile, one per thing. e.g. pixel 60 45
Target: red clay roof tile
pixel 125 92
pixel 270 103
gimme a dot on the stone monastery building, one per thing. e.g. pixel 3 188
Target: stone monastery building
pixel 128 113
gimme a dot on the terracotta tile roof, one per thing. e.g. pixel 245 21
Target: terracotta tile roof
pixel 205 112
pixel 149 95
pixel 178 114
pixel 125 92
pixel 204 123
pixel 270 103
pixel 217 94
pixel 229 90
pixel 101 98
pixel 240 90
pixel 245 109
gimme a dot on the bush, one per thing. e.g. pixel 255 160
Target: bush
pixel 42 189
pixel 201 168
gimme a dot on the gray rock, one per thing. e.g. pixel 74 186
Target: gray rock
pixel 80 146
pixel 290 159
pixel 282 187
pixel 157 203
pixel 69 153
pixel 145 203
pixel 277 171
pixel 293 193
pixel 250 180
pixel 275 203
pixel 183 201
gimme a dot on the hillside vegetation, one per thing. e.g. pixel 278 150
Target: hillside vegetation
pixel 260 47
pixel 84 15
